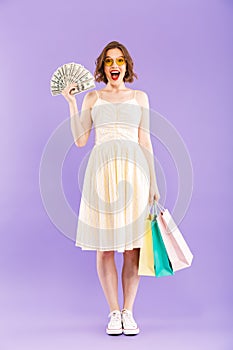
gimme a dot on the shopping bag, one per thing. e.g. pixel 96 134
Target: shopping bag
pixel 177 249
pixel 153 259
pixel 162 263
pixel 146 258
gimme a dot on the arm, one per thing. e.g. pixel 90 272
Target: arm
pixel 80 126
pixel 145 143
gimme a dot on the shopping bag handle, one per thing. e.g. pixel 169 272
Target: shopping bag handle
pixel 161 208
pixel 155 209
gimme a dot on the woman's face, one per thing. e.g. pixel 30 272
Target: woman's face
pixel 115 73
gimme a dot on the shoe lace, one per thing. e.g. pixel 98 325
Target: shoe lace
pixel 128 317
pixel 115 317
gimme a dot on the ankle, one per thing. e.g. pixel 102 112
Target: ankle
pixel 114 308
pixel 127 308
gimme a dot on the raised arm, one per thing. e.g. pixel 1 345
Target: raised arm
pixel 80 125
pixel 146 145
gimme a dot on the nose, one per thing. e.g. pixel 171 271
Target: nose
pixel 114 64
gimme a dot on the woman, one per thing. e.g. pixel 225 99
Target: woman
pixel 111 215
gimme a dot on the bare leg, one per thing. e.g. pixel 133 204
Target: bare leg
pixel 107 272
pixel 130 277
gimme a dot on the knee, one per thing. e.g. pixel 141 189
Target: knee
pixel 105 255
pixel 131 255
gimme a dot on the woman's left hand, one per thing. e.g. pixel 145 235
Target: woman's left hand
pixel 153 194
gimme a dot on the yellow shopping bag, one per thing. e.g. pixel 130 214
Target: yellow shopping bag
pixel 146 258
pixel 153 258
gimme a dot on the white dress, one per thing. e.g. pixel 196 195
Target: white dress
pixel 114 202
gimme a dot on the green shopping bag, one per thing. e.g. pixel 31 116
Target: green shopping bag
pixel 162 264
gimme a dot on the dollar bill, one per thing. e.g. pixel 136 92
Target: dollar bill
pixel 71 73
pixel 86 85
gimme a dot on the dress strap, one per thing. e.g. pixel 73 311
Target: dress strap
pixel 97 93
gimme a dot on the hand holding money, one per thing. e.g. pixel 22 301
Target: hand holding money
pixel 69 92
pixel 68 74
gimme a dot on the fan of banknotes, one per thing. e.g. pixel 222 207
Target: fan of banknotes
pixel 71 73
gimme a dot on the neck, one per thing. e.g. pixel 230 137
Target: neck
pixel 115 88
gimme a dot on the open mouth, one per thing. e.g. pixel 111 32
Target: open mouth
pixel 115 74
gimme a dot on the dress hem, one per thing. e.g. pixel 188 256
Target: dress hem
pixel 107 250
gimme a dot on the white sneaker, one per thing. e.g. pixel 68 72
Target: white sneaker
pixel 114 325
pixel 129 325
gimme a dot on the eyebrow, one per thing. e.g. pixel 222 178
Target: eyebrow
pixel 111 57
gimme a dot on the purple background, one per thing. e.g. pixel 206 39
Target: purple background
pixel 50 293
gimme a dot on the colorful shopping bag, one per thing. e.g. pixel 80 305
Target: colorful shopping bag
pixel 162 263
pixel 146 258
pixel 176 246
pixel 153 259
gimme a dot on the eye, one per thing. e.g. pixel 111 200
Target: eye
pixel 108 61
pixel 120 60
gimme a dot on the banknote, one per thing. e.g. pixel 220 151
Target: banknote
pixel 78 72
pixel 86 85
pixel 71 73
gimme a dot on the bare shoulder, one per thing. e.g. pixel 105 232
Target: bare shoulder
pixel 90 98
pixel 142 98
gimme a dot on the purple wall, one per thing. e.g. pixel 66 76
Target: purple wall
pixel 50 293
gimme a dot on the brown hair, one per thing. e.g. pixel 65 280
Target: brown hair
pixel 99 74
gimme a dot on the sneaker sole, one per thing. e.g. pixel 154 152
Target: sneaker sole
pixel 114 331
pixel 131 331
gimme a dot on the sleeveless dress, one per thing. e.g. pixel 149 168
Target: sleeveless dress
pixel 115 194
